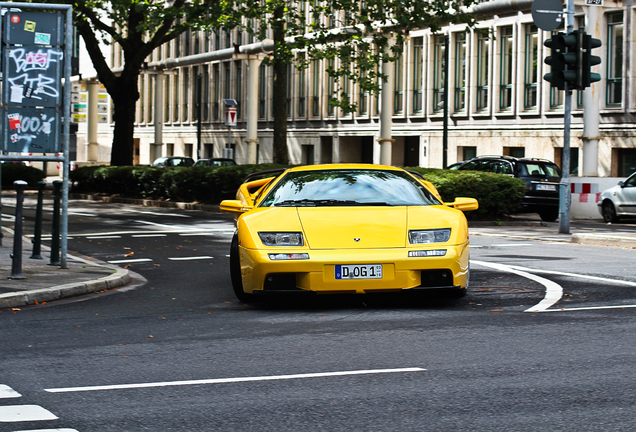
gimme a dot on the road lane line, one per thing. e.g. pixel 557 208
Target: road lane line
pixel 190 258
pixel 103 237
pixel 150 235
pixel 130 261
pixel 232 380
pixel 553 291
pixel 576 275
pixel 589 308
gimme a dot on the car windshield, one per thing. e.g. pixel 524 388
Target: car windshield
pixel 541 169
pixel 364 187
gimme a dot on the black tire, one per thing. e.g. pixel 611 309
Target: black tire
pixel 609 212
pixel 235 272
pixel 549 215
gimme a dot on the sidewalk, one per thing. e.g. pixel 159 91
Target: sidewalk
pixel 42 282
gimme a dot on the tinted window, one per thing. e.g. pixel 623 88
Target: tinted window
pixel 539 169
pixel 348 187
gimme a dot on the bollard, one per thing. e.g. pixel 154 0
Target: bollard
pixel 55 233
pixel 37 234
pixel 16 266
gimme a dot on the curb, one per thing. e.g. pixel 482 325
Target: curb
pixel 119 278
pixel 604 240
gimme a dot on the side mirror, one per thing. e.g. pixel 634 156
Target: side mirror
pixel 621 183
pixel 235 206
pixel 464 204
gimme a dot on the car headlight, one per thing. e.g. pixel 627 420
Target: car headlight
pixel 429 236
pixel 283 239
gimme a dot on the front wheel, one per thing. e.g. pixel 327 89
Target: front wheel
pixel 235 272
pixel 549 215
pixel 609 212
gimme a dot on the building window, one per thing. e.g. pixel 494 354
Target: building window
pixel 288 89
pixel 614 59
pixel 531 67
pixel 142 99
pixel 166 98
pixel 460 72
pixel 262 79
pixel 186 94
pixel 331 89
pixel 417 74
pixel 626 162
pixel 439 58
pixel 206 94
pixel 483 54
pixel 227 89
pixel 217 83
pixel 506 67
pixel 176 90
pixel 363 97
pixel 237 88
pixel 302 92
pixel 398 86
pixel 315 88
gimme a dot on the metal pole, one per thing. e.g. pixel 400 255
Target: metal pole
pixel 37 234
pixel 445 136
pixel 16 266
pixel 199 112
pixel 55 232
pixel 564 186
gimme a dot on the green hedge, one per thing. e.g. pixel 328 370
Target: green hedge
pixel 497 194
pixel 13 171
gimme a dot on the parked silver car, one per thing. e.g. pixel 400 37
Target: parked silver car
pixel 618 201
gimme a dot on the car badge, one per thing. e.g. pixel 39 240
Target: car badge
pixel 356 239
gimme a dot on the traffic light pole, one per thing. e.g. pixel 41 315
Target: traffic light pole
pixel 564 187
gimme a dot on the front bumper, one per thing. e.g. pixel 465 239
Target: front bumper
pixel 317 274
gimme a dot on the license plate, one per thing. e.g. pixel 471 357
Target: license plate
pixel 363 271
pixel 546 187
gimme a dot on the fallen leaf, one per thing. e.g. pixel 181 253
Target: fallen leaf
pixel 129 254
pixel 150 336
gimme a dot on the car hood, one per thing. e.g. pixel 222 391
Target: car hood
pixel 351 227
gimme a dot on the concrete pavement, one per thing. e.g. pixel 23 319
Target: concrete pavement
pixel 44 283
pixel 41 282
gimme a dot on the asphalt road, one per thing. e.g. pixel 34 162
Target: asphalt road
pixel 543 341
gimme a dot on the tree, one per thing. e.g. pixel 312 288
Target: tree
pixel 353 36
pixel 138 27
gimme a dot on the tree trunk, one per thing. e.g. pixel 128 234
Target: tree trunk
pixel 125 102
pixel 279 96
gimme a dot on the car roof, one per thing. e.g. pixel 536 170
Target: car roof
pixel 344 167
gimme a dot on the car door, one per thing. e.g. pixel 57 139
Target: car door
pixel 628 196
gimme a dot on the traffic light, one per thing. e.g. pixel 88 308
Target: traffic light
pixel 588 60
pixel 572 59
pixel 565 60
pixel 555 61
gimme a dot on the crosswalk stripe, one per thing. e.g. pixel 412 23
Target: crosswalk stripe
pixel 7 392
pixel 17 413
pixel 50 430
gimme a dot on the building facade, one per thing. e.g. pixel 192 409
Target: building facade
pixel 498 102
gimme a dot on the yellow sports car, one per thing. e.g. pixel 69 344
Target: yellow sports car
pixel 346 228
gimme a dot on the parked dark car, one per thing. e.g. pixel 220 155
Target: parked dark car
pixel 214 162
pixel 542 179
pixel 173 161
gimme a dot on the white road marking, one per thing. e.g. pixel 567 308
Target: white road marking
pixel 190 258
pixel 155 224
pixel 173 230
pixel 553 291
pixel 576 275
pixel 50 430
pixel 17 413
pixel 130 261
pixel 589 308
pixel 157 213
pixel 205 233
pixel 7 392
pixel 149 235
pixel 81 214
pixel 103 237
pixel 232 380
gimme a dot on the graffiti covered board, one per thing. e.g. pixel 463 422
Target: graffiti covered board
pixel 33 76
pixel 32 130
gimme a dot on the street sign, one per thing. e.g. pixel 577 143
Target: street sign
pixel 34 76
pixel 230 116
pixel 547 14
pixel 32 28
pixel 32 130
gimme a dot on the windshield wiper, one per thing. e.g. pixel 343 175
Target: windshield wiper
pixel 326 202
